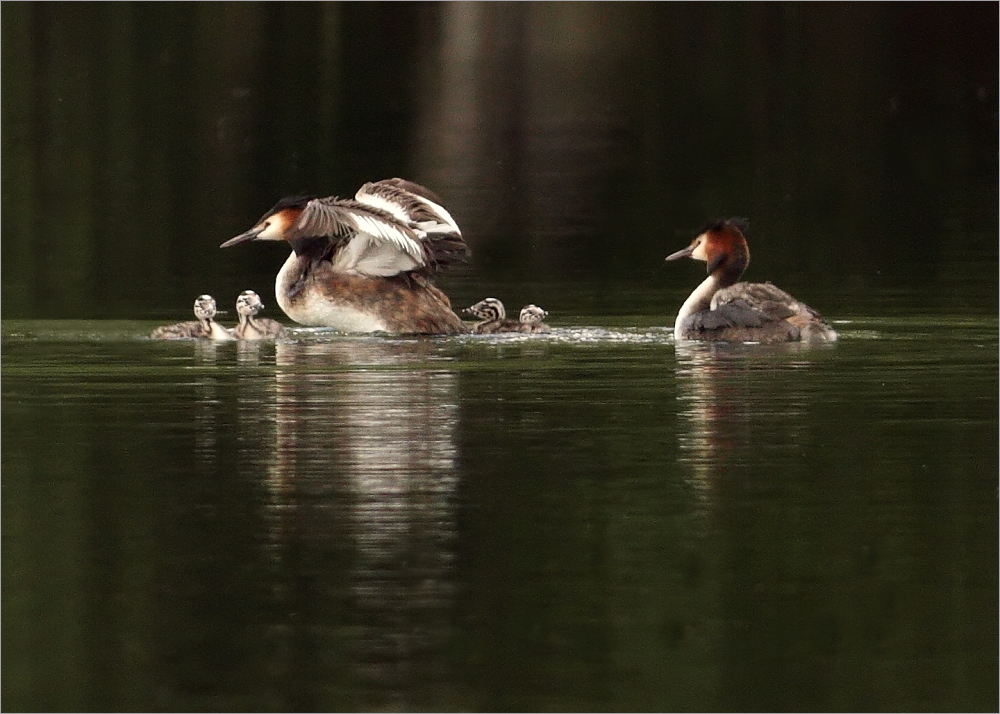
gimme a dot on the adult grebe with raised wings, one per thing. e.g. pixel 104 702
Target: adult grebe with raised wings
pixel 364 265
pixel 723 310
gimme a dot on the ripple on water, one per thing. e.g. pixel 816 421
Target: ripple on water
pixel 581 335
pixel 855 330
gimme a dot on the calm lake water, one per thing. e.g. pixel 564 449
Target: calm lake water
pixel 594 519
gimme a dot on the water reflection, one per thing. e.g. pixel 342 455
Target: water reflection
pixel 740 410
pixel 361 474
pixel 206 437
pixel 721 405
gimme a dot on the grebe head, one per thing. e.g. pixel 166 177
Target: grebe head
pixel 248 304
pixel 488 309
pixel 720 245
pixel 533 313
pixel 204 307
pixel 273 224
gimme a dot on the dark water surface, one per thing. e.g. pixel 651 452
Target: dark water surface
pixel 590 520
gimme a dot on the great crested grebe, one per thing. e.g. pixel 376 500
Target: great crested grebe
pixel 205 328
pixel 248 304
pixel 723 310
pixel 493 318
pixel 364 265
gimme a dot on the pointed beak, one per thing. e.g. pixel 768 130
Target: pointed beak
pixel 685 253
pixel 243 237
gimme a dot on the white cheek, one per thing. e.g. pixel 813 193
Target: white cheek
pixel 272 232
pixel 699 252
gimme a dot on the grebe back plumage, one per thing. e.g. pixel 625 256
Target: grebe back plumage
pixel 364 264
pixel 721 309
pixel 204 328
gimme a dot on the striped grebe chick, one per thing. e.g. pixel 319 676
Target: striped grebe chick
pixel 250 327
pixel 532 317
pixel 493 318
pixel 205 328
pixel 365 265
pixel 721 309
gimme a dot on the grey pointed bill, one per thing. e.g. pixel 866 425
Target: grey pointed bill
pixel 243 237
pixel 683 253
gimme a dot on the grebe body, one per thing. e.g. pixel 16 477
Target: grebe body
pixel 493 318
pixel 248 305
pixel 721 309
pixel 364 265
pixel 204 328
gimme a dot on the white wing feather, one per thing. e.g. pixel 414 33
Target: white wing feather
pixel 378 248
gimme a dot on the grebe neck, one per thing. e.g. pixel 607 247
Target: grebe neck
pixel 699 299
pixel 218 332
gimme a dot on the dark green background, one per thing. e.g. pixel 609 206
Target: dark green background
pixel 574 142
pixel 597 519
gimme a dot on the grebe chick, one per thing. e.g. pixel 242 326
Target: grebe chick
pixel 205 328
pixel 493 318
pixel 531 319
pixel 248 304
pixel 364 265
pixel 723 310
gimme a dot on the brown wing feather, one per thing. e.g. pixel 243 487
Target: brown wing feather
pixel 326 225
pixel 338 218
pixel 341 221
pixel 441 234
pixel 411 187
pixel 771 300
pixel 407 199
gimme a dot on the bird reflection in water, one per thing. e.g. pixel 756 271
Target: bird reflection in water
pixel 724 407
pixel 206 433
pixel 748 446
pixel 362 480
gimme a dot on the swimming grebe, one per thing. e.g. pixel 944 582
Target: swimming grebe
pixel 248 304
pixel 724 310
pixel 493 318
pixel 205 328
pixel 531 319
pixel 364 265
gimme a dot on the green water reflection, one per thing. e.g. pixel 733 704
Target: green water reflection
pixel 569 140
pixel 589 520
pixel 593 520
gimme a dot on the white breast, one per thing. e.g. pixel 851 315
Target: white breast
pixel 316 311
pixel 220 333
